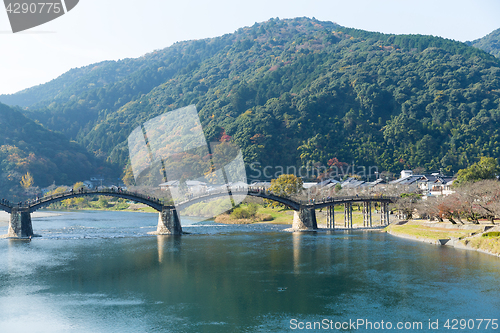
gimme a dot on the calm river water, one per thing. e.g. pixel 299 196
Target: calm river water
pixel 101 272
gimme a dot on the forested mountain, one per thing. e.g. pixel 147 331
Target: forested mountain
pixel 298 91
pixel 49 157
pixel 123 79
pixel 70 83
pixel 489 43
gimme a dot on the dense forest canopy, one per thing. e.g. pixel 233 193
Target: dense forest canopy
pixel 27 147
pixel 489 43
pixel 291 93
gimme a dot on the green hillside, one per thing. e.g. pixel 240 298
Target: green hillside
pixel 70 83
pixel 489 43
pixel 73 103
pixel 298 91
pixel 123 79
pixel 50 157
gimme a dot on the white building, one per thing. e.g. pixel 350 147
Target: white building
pixel 406 173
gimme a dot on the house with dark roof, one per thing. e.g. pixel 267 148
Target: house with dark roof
pixel 352 183
pixel 434 184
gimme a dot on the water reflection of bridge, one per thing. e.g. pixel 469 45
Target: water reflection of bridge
pixel 20 225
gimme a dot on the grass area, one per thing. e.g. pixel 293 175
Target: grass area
pixel 279 215
pixel 140 208
pixel 206 209
pixel 263 214
pixel 489 243
pixel 357 217
pixel 491 234
pixel 434 233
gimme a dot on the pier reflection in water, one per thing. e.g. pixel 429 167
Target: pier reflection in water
pixel 102 272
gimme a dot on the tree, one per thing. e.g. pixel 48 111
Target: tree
pixel 103 202
pixel 27 181
pixel 128 176
pixel 220 169
pixel 449 207
pixel 418 171
pixel 78 186
pixel 485 195
pixel 472 200
pixel 486 168
pixel 285 185
pixel 407 203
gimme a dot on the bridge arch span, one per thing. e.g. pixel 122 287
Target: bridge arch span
pixel 251 192
pixel 147 200
pixel 290 203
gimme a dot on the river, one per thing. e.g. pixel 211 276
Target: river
pixel 102 272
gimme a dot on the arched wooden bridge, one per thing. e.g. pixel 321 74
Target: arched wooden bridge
pixel 168 223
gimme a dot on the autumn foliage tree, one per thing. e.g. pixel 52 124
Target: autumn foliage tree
pixel 285 185
pixel 27 181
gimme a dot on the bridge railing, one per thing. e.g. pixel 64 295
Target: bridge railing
pixel 324 200
pixel 266 192
pixel 6 203
pixel 228 190
pixel 71 193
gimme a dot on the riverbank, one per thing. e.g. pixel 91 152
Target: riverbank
pixel 484 238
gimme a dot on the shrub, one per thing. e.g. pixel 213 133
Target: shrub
pixel 240 213
pixel 492 234
pixel 245 213
pixel 266 217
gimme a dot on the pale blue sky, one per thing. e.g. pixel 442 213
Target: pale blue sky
pixel 98 30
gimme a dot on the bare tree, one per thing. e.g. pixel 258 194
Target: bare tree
pixel 473 200
pixel 426 209
pixel 486 194
pixel 407 204
pixel 449 207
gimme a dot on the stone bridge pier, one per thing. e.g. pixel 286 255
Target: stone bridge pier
pixel 20 224
pixel 168 222
pixel 304 219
